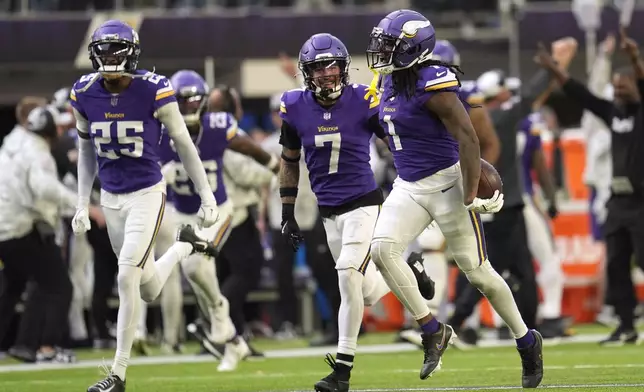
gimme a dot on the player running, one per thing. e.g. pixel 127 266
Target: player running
pixel 334 122
pixel 433 142
pixel 119 111
pixel 212 133
pixel 431 240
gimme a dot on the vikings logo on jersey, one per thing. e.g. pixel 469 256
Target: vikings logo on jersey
pixel 125 134
pixel 217 129
pixel 529 141
pixel 421 144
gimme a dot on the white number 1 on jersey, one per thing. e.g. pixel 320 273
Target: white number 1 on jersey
pixel 392 132
pixel 336 140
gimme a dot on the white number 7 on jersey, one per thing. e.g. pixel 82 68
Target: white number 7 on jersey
pixel 336 140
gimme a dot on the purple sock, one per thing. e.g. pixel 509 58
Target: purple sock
pixel 431 327
pixel 526 341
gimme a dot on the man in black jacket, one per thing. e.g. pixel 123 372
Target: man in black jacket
pixel 624 227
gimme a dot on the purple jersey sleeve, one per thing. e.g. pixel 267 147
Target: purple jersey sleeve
pixel 470 94
pixel 534 125
pixel 435 79
pixel 289 136
pixel 76 93
pixel 371 97
pixel 163 90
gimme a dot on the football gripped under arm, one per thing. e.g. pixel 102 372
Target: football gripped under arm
pixel 86 161
pixel 171 117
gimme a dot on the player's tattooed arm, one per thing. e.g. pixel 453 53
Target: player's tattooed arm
pixel 245 145
pixel 449 108
pixel 289 175
pixel 488 139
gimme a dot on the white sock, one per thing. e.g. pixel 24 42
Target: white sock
pixel 142 327
pixel 129 278
pixel 171 301
pixel 374 286
pixel 202 276
pixel 350 314
pixel 492 285
pixel 399 277
pixel 155 274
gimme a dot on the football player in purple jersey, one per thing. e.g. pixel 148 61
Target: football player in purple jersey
pixel 119 112
pixel 437 155
pixel 212 133
pixel 431 240
pixel 334 122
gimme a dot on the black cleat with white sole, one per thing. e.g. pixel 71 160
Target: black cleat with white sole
pixel 426 285
pixel 198 330
pixel 337 381
pixel 434 346
pixel 187 234
pixel 111 383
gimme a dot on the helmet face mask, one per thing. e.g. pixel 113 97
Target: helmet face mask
pixel 114 50
pixel 325 77
pixel 324 63
pixel 401 40
pixel 192 95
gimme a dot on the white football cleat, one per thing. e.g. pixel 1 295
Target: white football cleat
pixel 235 352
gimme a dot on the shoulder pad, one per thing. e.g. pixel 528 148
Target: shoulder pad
pixel 82 84
pixel 157 83
pixel 289 98
pixel 436 77
pixel 369 94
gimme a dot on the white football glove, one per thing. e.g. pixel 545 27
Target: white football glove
pixel 208 213
pixel 487 206
pixel 80 222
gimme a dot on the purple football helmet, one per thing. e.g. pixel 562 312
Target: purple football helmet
pixel 114 49
pixel 402 39
pixel 192 94
pixel 318 56
pixel 446 52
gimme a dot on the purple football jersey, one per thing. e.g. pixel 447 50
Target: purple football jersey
pixel 124 129
pixel 529 141
pixel 420 143
pixel 217 129
pixel 336 141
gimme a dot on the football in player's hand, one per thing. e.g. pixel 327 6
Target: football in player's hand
pixel 489 182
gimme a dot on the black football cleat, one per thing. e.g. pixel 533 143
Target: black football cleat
pixel 338 380
pixel 620 337
pixel 187 234
pixel 198 330
pixel 532 362
pixel 434 347
pixel 111 383
pixel 425 283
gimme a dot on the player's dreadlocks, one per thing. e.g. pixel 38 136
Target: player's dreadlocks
pixel 404 81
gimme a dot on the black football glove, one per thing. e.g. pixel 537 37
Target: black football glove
pixel 553 211
pixel 290 229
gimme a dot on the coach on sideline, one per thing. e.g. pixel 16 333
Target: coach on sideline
pixel 30 197
pixel 624 227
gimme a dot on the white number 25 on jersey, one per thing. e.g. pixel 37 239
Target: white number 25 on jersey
pixel 106 147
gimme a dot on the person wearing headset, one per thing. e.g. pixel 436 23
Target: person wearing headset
pixel 30 201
